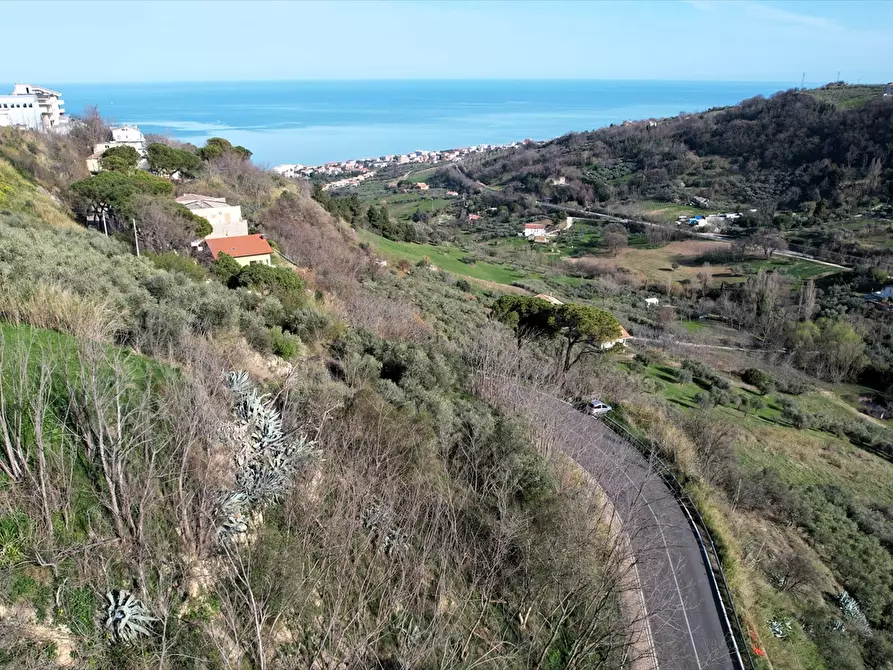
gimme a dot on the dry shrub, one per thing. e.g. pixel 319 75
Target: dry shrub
pixel 56 308
pixel 310 237
pixel 388 318
pixel 592 268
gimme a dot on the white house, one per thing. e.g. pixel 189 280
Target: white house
pixel 122 136
pixel 622 340
pixel 534 230
pixel 652 302
pixel 226 220
pixel 34 107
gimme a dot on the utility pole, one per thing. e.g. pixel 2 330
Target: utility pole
pixel 105 226
pixel 136 240
pixel 802 80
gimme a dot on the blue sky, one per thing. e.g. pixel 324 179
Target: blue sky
pixel 230 40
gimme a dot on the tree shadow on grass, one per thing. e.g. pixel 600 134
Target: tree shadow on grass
pixel 665 373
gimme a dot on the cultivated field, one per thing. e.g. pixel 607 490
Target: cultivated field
pixel 655 265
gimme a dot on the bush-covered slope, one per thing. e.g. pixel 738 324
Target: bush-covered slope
pixel 347 503
pixel 789 151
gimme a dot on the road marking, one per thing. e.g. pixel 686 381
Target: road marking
pixel 649 473
pixel 662 536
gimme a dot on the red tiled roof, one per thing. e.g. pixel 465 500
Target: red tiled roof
pixel 534 225
pixel 239 246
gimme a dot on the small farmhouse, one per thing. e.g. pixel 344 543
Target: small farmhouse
pixel 225 219
pixel 534 229
pixel 246 249
pixel 622 340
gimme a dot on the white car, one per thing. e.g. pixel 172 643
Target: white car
pixel 593 407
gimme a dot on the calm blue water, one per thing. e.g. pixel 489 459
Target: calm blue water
pixel 314 122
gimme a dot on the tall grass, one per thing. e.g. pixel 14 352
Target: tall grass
pixel 51 306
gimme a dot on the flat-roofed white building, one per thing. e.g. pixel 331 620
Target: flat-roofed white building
pixel 50 105
pixel 226 220
pixel 122 136
pixel 20 110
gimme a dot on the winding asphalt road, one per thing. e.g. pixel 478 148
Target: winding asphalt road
pixel 687 620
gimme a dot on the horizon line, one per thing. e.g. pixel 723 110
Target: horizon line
pixel 340 80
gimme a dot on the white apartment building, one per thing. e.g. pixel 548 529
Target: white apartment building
pixel 20 110
pixel 121 136
pixel 226 220
pixel 34 107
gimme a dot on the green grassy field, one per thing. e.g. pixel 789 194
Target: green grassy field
pixel 407 206
pixel 693 326
pixel 849 96
pixel 444 257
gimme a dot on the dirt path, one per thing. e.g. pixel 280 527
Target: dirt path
pixel 844 404
pixel 24 620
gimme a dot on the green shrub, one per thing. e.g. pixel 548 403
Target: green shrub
pixel 683 376
pixel 463 285
pixel 648 357
pixel 760 379
pixel 285 345
pixel 256 332
pixel 312 325
pixel 721 396
pixel 704 399
pixel 706 374
pixel 78 609
pixel 14 532
pixel 721 383
pixel 174 262
pixel 794 415
pixel 122 158
pixel 286 285
pixel 636 366
pixel 792 386
pixel 225 268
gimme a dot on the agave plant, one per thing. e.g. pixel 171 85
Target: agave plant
pixel 853 613
pixel 266 458
pixel 232 511
pixel 127 617
pixel 388 536
pixel 781 627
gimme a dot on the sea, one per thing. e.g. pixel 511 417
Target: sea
pixel 313 122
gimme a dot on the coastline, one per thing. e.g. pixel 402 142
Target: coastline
pixel 320 121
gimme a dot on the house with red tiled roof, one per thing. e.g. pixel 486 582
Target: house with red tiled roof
pixel 539 229
pixel 622 340
pixel 246 249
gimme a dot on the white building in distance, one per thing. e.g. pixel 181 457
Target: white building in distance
pixel 122 136
pixel 226 220
pixel 33 107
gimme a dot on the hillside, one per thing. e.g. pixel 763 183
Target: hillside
pixel 287 465
pixel 764 377
pixel 209 466
pixel 807 162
